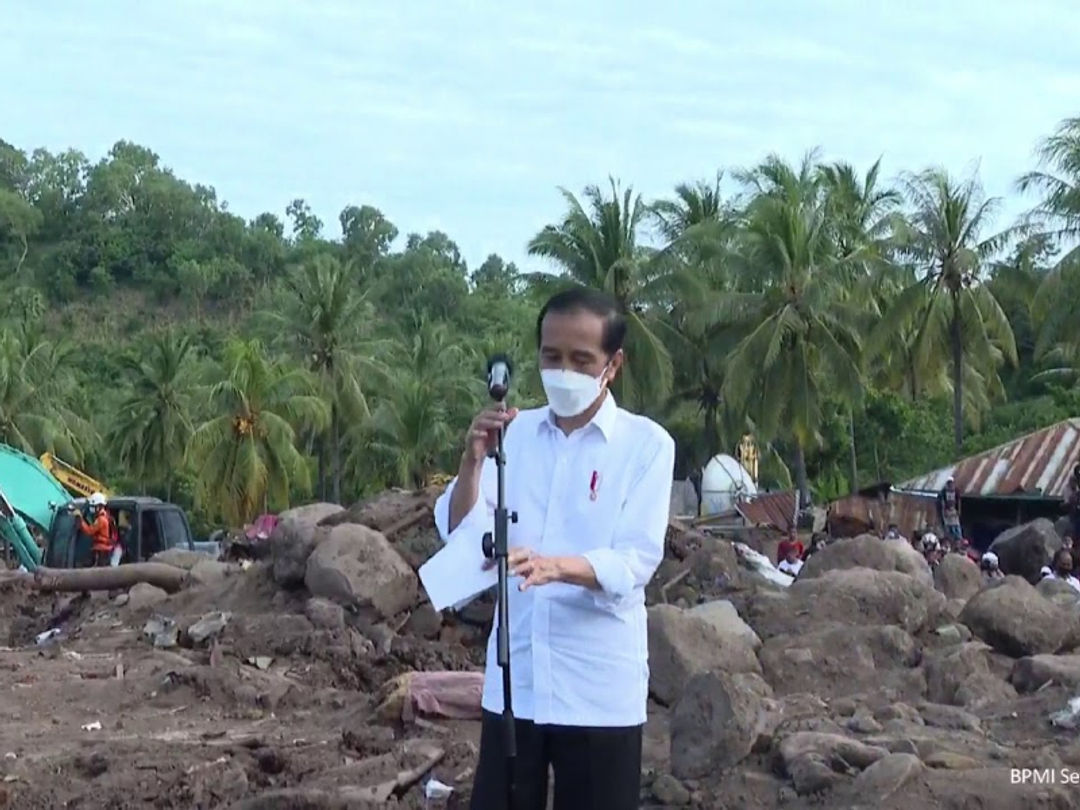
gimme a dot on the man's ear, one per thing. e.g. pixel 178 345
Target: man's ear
pixel 615 366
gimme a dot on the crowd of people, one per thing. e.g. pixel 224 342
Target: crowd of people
pixel 791 555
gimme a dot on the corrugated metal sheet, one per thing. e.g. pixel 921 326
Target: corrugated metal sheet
pixel 775 509
pixel 1037 464
pixel 910 512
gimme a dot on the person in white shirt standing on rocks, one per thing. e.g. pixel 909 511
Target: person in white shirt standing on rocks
pixel 591 484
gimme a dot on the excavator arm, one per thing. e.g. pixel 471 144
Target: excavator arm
pixel 77 482
pixel 29 496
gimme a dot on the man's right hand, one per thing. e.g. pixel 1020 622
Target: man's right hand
pixel 483 434
pixel 481 437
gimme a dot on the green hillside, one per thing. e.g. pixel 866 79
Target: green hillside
pixel 169 346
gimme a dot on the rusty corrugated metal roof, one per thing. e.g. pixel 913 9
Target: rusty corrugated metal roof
pixel 1037 464
pixel 911 512
pixel 775 509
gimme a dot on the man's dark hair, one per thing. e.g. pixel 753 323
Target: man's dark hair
pixel 586 299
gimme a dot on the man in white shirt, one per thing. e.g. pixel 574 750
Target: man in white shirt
pixel 791 564
pixel 591 484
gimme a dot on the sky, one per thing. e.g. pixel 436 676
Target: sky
pixel 467 116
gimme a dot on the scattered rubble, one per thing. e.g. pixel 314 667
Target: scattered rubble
pixel 318 676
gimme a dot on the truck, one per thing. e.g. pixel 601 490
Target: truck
pixel 37 517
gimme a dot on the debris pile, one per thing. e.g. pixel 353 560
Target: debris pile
pixel 318 676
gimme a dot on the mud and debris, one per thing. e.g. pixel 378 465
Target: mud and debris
pixel 245 689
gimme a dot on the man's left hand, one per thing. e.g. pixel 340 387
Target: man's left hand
pixel 535 569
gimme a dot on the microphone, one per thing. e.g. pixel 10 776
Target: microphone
pixel 499 370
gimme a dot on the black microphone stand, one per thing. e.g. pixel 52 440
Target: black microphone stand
pixel 496 547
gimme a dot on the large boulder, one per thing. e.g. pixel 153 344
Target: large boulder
pixel 837 661
pixel 1058 591
pixel 850 596
pixel 1033 672
pixel 965 675
pixel 388 509
pixel 355 565
pixel 293 539
pixel 681 645
pixel 957 577
pixel 724 616
pixel 718 721
pixel 1014 618
pixel 813 759
pixel 1024 550
pixel 868 551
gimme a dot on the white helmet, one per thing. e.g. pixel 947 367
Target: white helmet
pixel 929 542
pixel 97 499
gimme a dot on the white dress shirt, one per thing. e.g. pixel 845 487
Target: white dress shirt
pixel 578 657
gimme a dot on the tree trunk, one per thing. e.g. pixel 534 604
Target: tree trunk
pixel 22 256
pixel 712 432
pixel 800 475
pixel 854 459
pixel 335 452
pixel 167 577
pixel 958 374
pixel 321 441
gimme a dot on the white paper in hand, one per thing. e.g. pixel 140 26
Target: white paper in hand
pixel 456 574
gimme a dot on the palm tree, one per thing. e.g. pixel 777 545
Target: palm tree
pixel 153 425
pixel 330 320
pixel 1058 180
pixel 1057 217
pixel 948 306
pixel 598 247
pixel 411 430
pixel 36 388
pixel 797 343
pixel 427 391
pixel 246 454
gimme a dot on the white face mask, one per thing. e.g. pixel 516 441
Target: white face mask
pixel 570 393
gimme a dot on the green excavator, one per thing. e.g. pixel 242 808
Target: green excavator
pixel 30 497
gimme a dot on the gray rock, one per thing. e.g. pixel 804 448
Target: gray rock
pixel 953 718
pixel 885 777
pixel 725 617
pixel 1059 592
pixel 836 661
pixel 355 565
pixel 669 791
pixel 681 645
pixel 809 758
pixel 957 577
pixel 1024 550
pixel 208 627
pixel 324 614
pixel 1032 672
pixel 849 597
pixel 143 595
pixel 862 722
pixel 718 720
pixel 207 571
pixel 868 551
pixel 1016 619
pixel 962 675
pixel 293 540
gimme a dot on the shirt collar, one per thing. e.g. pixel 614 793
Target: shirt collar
pixel 603 419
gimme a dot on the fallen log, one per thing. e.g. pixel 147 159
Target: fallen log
pixel 167 577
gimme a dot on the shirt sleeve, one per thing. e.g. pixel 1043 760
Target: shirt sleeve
pixel 480 519
pixel 638 545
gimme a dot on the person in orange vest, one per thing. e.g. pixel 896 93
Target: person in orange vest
pixel 99 530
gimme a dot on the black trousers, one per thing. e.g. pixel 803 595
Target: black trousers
pixel 594 768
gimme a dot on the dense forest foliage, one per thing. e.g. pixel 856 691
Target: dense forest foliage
pixel 862 329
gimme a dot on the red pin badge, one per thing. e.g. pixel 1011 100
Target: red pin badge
pixel 594 484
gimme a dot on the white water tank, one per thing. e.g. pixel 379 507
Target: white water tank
pixel 724 482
